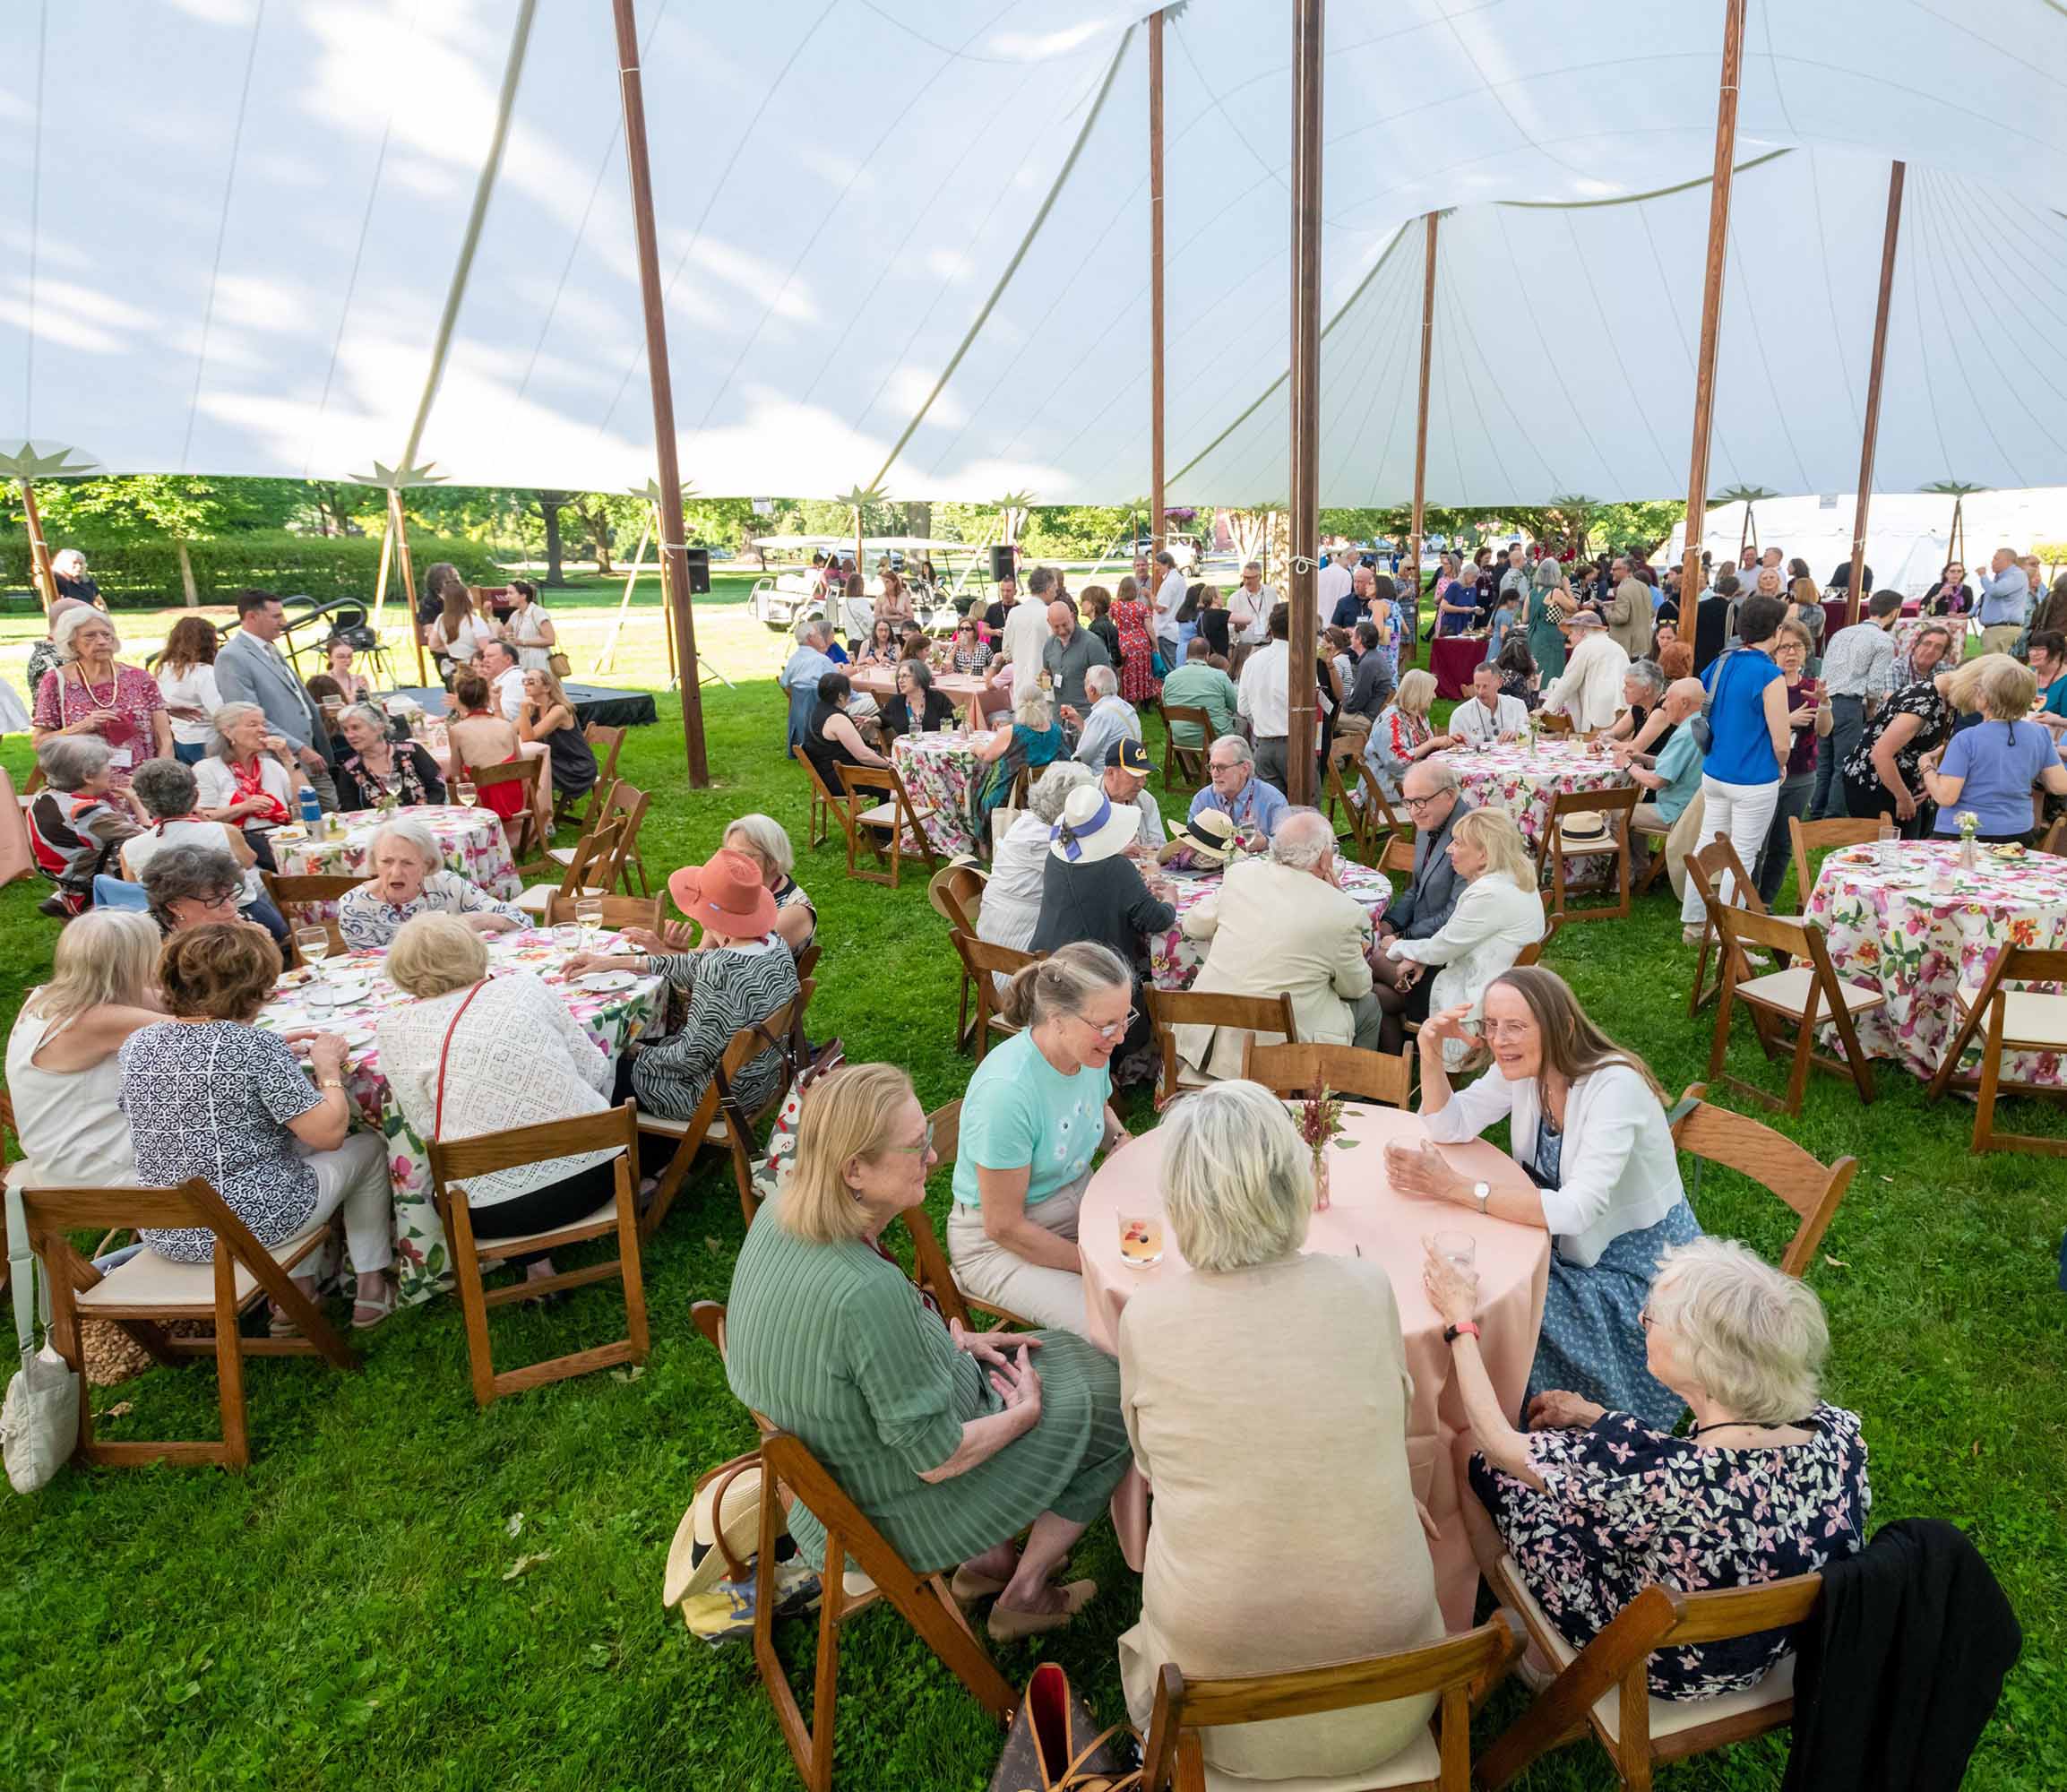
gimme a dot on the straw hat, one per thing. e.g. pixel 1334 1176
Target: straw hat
pixel 962 861
pixel 730 1500
pixel 1208 836
pixel 1093 826
pixel 725 893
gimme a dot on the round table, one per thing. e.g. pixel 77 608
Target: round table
pixel 1915 927
pixel 942 774
pixel 422 1263
pixel 471 839
pixel 1175 958
pixel 1369 1219
pixel 1524 780
pixel 960 688
pixel 1452 658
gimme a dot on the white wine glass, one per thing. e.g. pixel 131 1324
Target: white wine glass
pixel 464 794
pixel 313 945
pixel 589 914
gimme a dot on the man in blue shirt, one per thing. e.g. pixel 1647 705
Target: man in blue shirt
pixel 2006 602
pixel 1672 779
pixel 1236 792
pixel 800 675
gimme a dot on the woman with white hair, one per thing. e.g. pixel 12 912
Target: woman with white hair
pixel 63 1075
pixel 91 692
pixel 1402 735
pixel 68 572
pixel 251 777
pixel 1011 899
pixel 953 1443
pixel 1594 1505
pixel 766 843
pixel 1261 1433
pixel 74 827
pixel 409 879
pixel 1497 915
pixel 471 1053
pixel 376 769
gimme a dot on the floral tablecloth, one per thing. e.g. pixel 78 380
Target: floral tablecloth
pixel 942 773
pixel 1525 780
pixel 422 1265
pixel 1173 960
pixel 472 840
pixel 1915 926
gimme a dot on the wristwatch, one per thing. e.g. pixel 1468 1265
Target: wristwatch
pixel 1482 1193
pixel 1452 1333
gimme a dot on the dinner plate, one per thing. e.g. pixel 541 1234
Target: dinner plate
pixel 606 982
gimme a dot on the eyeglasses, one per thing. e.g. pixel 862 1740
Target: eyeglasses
pixel 1423 802
pixel 923 1146
pixel 1116 1029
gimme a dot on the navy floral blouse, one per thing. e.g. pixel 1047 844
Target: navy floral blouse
pixel 1624 1507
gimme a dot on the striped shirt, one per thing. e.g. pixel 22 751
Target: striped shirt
pixel 1859 662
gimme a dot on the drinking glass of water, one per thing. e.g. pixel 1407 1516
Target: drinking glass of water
pixel 1884 854
pixel 1460 1250
pixel 567 938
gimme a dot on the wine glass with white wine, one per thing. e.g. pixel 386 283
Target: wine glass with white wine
pixel 313 945
pixel 463 792
pixel 588 916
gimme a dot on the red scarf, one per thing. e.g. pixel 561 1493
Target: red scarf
pixel 250 779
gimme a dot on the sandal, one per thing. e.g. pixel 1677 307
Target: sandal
pixel 967 1586
pixel 1009 1625
pixel 368 1314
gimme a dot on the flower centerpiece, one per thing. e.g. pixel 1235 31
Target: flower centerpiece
pixel 1319 1118
pixel 1969 825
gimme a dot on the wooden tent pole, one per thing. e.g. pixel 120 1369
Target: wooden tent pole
pixel 1308 32
pixel 1897 173
pixel 1156 494
pixel 40 568
pixel 1413 645
pixel 1718 225
pixel 674 558
pixel 398 523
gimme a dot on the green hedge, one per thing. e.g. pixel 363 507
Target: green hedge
pixel 144 574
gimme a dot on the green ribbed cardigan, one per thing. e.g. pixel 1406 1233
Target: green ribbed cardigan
pixel 832 1342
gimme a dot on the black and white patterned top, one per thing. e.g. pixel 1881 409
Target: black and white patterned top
pixel 369 923
pixel 730 987
pixel 212 1099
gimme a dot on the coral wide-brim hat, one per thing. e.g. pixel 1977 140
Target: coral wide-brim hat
pixel 725 893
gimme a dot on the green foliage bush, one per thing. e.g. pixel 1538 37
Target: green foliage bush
pixel 144 574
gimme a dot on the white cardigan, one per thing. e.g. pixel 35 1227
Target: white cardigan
pixel 1618 1170
pixel 1494 919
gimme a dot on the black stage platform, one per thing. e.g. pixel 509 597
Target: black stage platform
pixel 592 703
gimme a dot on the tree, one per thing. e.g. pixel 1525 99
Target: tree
pixel 182 507
pixel 549 504
pixel 604 515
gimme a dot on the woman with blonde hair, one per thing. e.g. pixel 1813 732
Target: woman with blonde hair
pixel 251 777
pixel 1586 1123
pixel 1402 734
pixel 547 714
pixel 1594 1505
pixel 1993 770
pixel 1037 1112
pixel 1498 914
pixel 1262 1434
pixel 951 1442
pixel 63 1074
pixel 1034 741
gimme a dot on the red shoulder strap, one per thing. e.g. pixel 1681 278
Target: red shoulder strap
pixel 444 1050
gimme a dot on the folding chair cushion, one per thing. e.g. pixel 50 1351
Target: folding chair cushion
pixel 2032 1021
pixel 538 898
pixel 1417 1763
pixel 1669 1716
pixel 149 1280
pixel 884 815
pixel 1788 992
pixel 717 1134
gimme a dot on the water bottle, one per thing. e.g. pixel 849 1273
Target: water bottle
pixel 311 812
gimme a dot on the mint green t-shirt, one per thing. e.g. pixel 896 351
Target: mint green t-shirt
pixel 1021 1112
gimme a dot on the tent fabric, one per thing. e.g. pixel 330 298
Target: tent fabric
pixel 905 241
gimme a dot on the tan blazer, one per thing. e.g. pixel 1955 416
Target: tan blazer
pixel 1272 930
pixel 1628 617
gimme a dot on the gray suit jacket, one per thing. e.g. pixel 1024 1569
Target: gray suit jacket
pixel 1420 909
pixel 245 673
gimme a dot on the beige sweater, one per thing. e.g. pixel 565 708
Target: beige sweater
pixel 1268 1408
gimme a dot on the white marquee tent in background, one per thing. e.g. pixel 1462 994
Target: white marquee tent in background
pixel 904 241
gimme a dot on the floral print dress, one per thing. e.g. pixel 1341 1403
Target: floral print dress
pixel 1623 1506
pixel 1138 680
pixel 1933 727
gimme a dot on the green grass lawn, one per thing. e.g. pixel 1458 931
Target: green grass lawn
pixel 345 1614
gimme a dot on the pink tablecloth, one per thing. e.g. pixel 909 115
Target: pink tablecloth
pixel 1917 926
pixel 1369 1218
pixel 1452 657
pixel 1525 780
pixel 1175 958
pixel 881 682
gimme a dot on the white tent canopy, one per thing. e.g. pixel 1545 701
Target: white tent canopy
pixel 906 240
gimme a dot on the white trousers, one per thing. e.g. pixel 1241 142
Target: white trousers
pixel 1742 810
pixel 355 1177
pixel 1053 1299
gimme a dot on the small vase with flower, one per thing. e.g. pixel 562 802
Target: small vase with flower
pixel 1969 825
pixel 1319 1117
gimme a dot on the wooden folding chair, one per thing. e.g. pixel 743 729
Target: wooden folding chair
pixel 590 870
pixel 1606 1685
pixel 826 802
pixel 888 824
pixel 1615 807
pixel 1548 722
pixel 2054 840
pixel 718 1120
pixel 922 1600
pixel 1386 1078
pixel 1532 954
pixel 1170 1009
pixel 453 1161
pixel 1460 1669
pixel 1811 1188
pixel 627 804
pixel 1361 825
pixel 1189 760
pixel 522 828
pixel 956 893
pixel 1706 868
pixel 1397 857
pixel 1807 837
pixel 295 897
pixel 606 744
pixel 2017 1020
pixel 979 959
pixel 935 1274
pixel 143 1294
pixel 1806 994
pixel 619 912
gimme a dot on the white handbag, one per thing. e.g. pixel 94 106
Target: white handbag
pixel 39 1418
